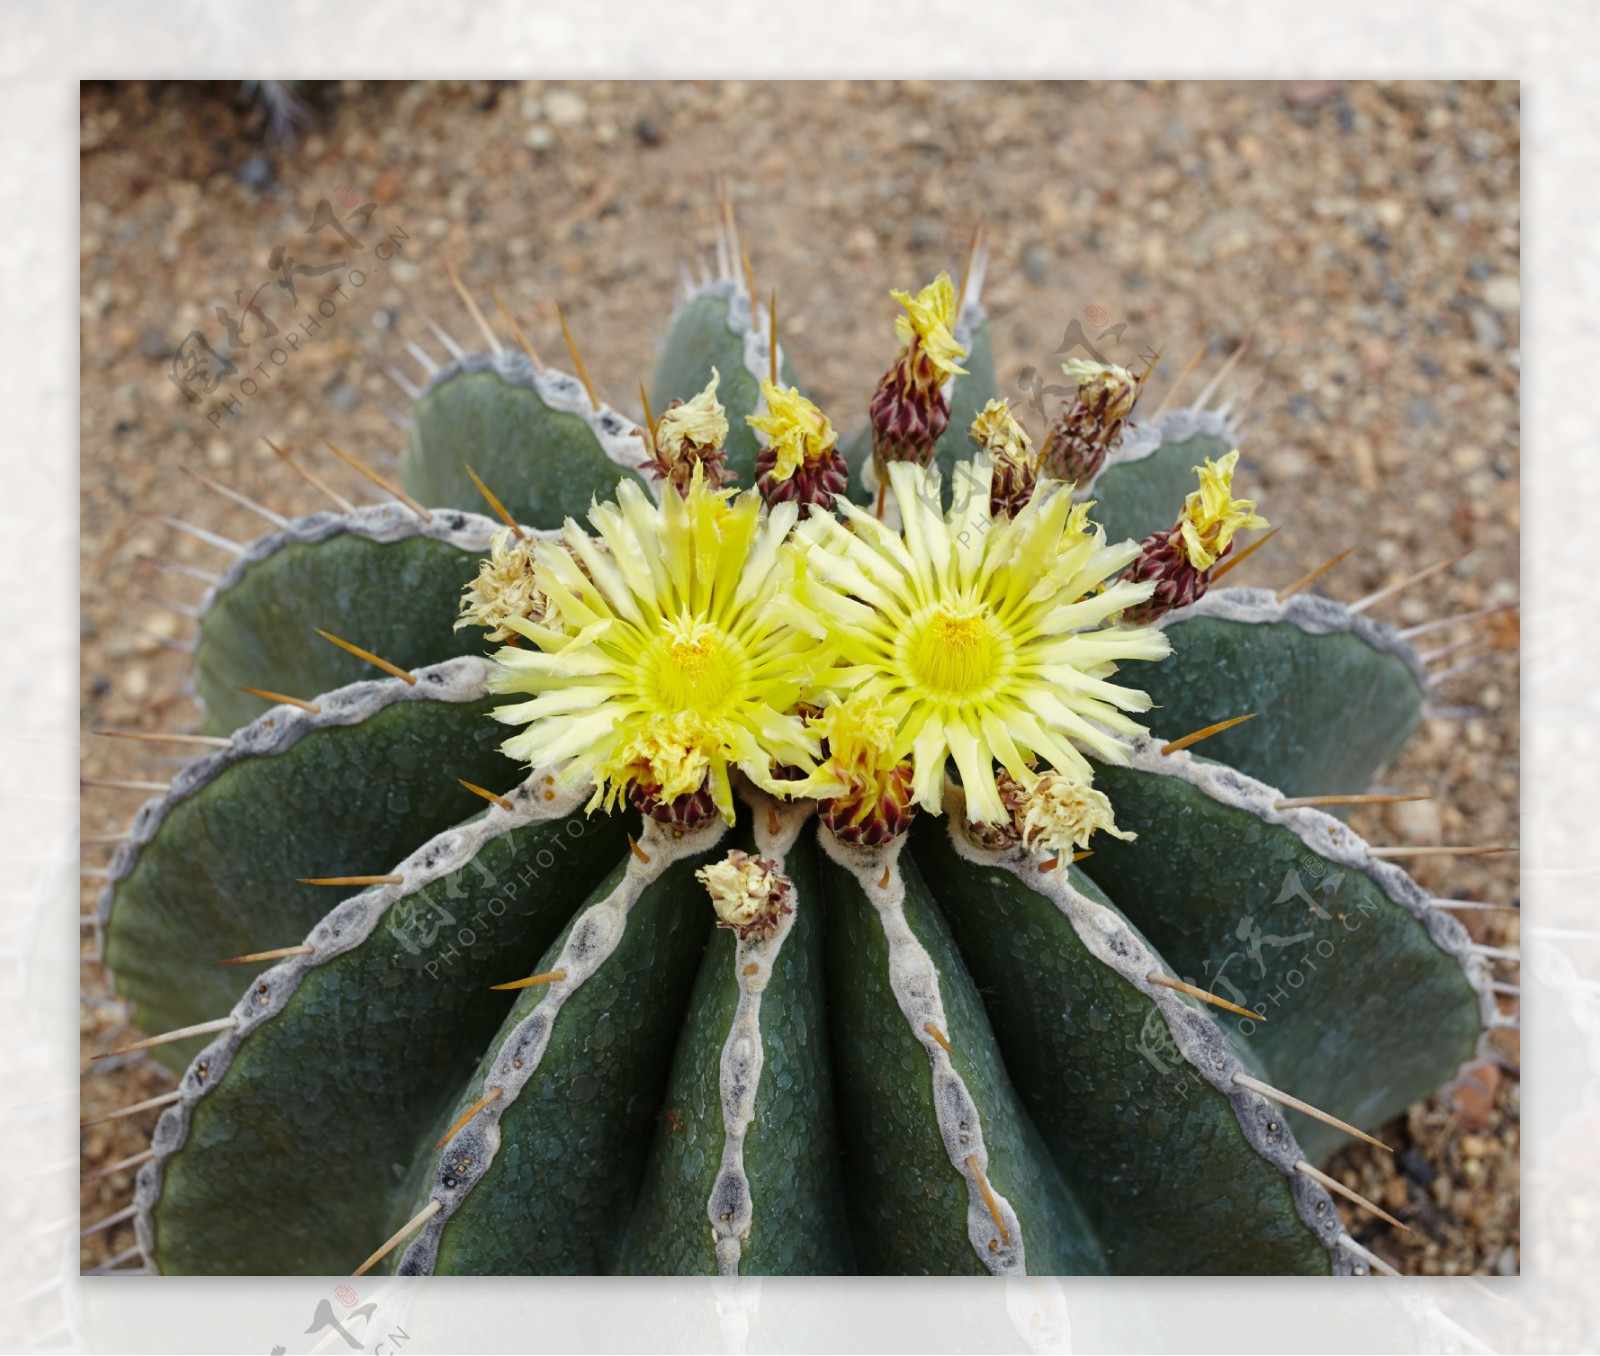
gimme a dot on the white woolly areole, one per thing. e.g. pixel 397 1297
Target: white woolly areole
pixel 560 392
pixel 730 1207
pixel 470 1151
pixel 915 982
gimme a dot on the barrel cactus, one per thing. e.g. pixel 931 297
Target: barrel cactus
pixel 766 851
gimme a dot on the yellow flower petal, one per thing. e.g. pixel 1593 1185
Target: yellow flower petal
pixel 929 322
pixel 795 429
pixel 1211 515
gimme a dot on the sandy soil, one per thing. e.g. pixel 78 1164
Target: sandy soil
pixel 1367 236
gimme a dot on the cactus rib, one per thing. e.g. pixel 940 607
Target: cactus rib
pixel 915 983
pixel 1195 1035
pixel 591 940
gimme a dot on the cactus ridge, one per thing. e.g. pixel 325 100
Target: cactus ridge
pixel 593 936
pixel 455 680
pixel 254 621
pixel 1196 1036
pixel 1336 842
pixel 915 982
pixel 345 927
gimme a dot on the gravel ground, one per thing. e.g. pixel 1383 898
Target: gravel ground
pixel 1367 236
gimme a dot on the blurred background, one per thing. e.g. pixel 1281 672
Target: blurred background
pixel 1364 238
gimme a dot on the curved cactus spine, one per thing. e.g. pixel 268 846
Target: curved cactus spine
pixel 954 1050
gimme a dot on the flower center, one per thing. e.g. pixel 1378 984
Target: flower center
pixel 695 666
pixel 954 651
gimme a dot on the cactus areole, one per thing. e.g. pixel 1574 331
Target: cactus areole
pixel 764 851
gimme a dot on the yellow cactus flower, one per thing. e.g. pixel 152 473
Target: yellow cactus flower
pixel 929 323
pixel 1211 515
pixel 984 639
pixel 666 664
pixel 798 433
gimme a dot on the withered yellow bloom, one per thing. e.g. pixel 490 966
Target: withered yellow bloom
pixel 929 322
pixel 701 422
pixel 1061 814
pixel 505 588
pixel 798 433
pixel 860 735
pixel 1111 391
pixel 995 429
pixel 1211 515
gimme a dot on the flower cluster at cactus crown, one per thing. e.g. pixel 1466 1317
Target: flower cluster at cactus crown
pixel 797 637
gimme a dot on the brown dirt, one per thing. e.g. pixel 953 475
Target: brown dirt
pixel 1367 235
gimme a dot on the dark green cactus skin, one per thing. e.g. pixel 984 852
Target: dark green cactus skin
pixel 532 438
pixel 265 612
pixel 655 1109
pixel 1124 1131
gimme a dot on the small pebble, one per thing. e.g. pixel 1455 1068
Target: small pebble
pixel 257 172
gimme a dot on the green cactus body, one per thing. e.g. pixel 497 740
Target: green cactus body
pixel 944 1054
